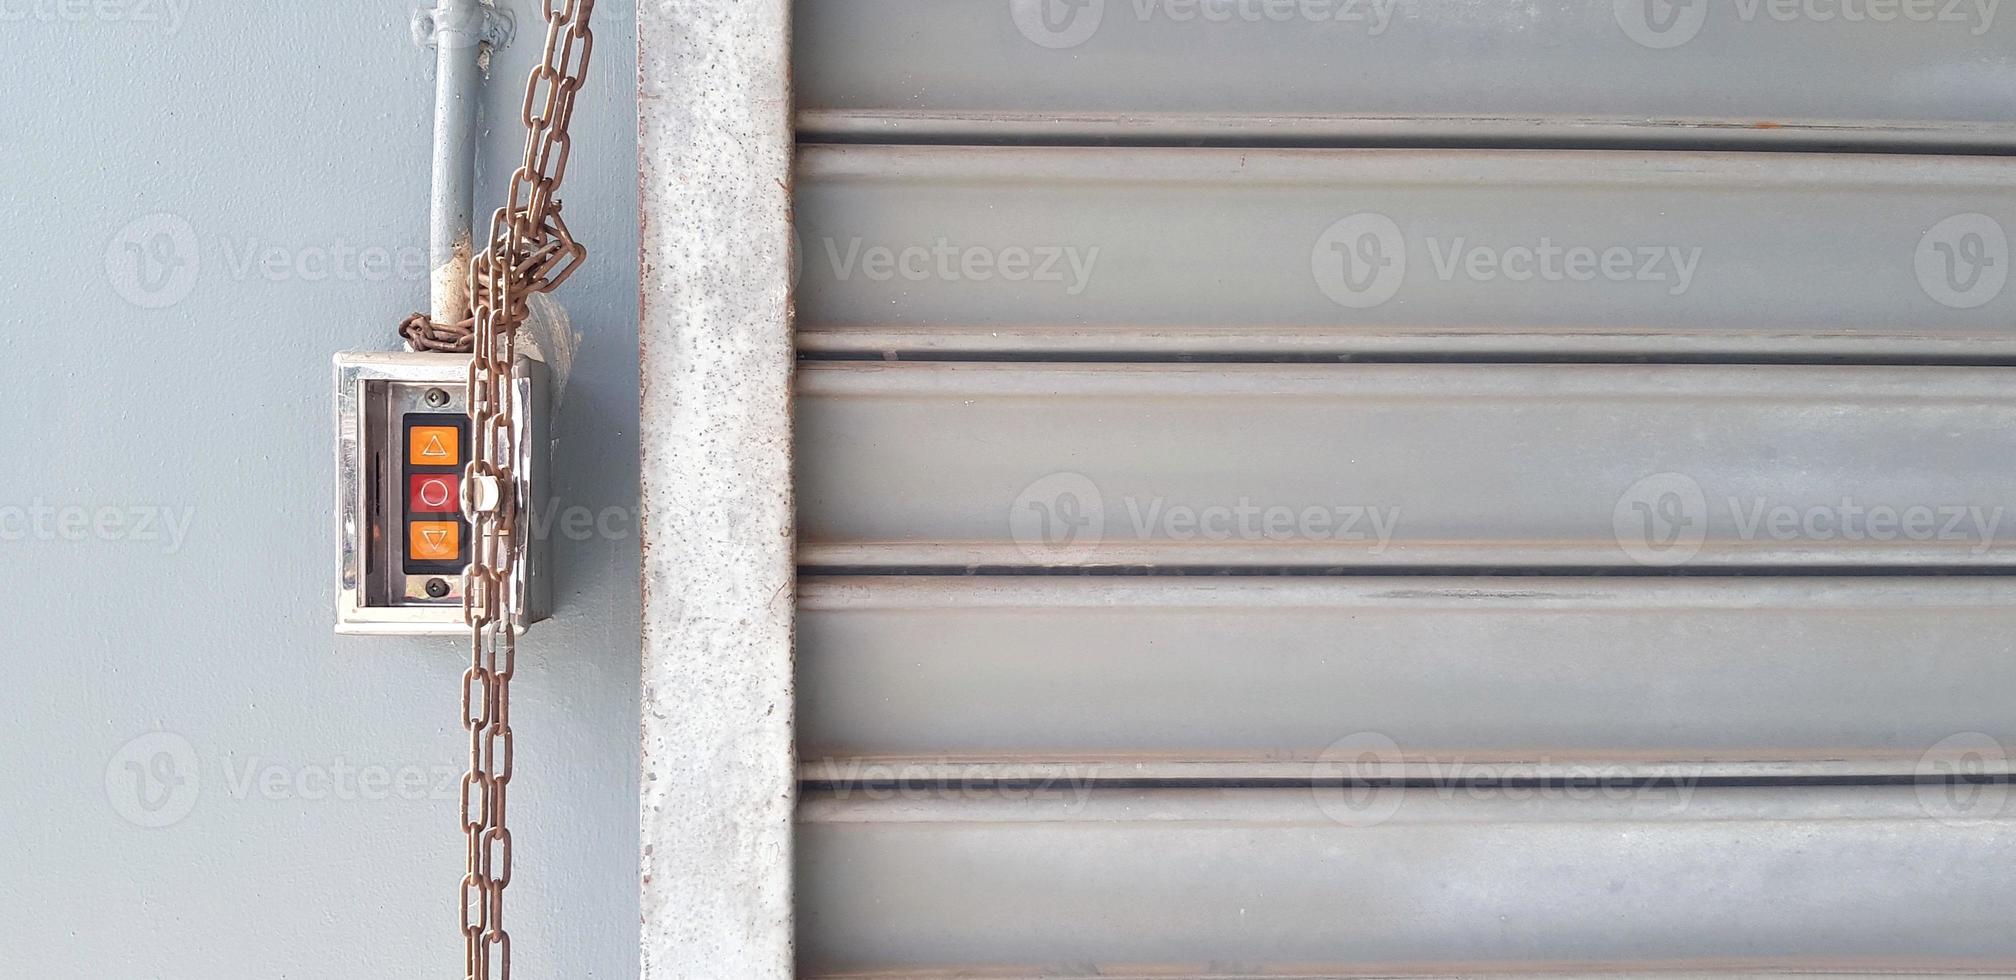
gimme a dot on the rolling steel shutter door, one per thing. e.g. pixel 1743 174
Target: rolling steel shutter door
pixel 1254 524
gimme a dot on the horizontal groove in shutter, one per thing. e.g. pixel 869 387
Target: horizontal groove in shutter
pixel 1728 73
pixel 1363 466
pixel 1048 252
pixel 1075 882
pixel 1439 678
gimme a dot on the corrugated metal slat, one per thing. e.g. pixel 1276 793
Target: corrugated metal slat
pixel 1398 465
pixel 1439 678
pixel 1732 72
pixel 1073 883
pixel 1167 252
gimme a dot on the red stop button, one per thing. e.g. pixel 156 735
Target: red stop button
pixel 434 493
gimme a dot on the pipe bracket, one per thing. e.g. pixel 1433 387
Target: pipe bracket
pixel 463 23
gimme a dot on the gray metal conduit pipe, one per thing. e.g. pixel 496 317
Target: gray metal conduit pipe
pixel 458 30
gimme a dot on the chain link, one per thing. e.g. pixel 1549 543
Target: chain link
pixel 424 333
pixel 528 251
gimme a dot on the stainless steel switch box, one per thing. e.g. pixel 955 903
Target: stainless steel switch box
pixel 402 439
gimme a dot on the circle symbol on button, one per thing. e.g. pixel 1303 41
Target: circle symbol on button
pixel 434 493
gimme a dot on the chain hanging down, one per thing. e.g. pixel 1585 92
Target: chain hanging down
pixel 528 251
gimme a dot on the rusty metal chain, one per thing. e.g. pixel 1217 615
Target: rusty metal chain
pixel 528 251
pixel 421 332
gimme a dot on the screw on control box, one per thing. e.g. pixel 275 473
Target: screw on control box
pixel 402 438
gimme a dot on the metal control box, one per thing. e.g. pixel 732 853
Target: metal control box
pixel 402 440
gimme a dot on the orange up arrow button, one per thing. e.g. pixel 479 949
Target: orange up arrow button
pixel 434 445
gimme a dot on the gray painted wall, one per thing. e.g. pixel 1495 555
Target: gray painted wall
pixel 179 407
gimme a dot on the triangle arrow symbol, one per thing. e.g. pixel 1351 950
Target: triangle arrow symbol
pixel 435 538
pixel 434 447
